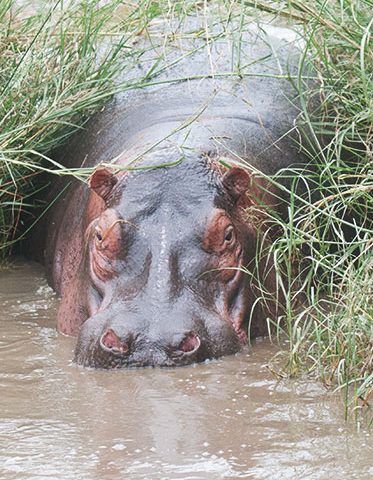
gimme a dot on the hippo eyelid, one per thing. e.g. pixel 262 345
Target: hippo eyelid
pixel 110 228
pixel 120 220
pixel 98 234
pixel 101 236
pixel 229 234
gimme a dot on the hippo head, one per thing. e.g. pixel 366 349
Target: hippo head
pixel 163 278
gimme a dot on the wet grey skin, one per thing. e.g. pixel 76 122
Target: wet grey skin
pixel 163 306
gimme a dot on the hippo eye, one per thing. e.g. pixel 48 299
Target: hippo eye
pixel 99 235
pixel 229 234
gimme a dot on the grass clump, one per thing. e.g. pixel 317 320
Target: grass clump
pixel 333 335
pixel 53 77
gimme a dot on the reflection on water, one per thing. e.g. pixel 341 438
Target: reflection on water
pixel 224 419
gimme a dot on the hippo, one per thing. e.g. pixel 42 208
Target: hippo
pixel 155 257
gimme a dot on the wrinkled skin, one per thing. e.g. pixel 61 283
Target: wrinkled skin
pixel 158 266
pixel 164 267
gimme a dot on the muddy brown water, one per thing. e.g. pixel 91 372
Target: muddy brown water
pixel 224 419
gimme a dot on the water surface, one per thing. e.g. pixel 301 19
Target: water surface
pixel 225 419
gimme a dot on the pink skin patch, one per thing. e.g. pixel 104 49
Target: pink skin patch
pixel 190 344
pixel 110 341
pixel 242 335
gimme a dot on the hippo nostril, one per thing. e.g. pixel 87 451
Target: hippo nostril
pixel 190 343
pixel 110 342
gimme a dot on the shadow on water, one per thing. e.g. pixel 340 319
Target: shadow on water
pixel 220 420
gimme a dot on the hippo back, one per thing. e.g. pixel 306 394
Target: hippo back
pixel 227 95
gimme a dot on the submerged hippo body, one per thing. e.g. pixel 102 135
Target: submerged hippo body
pixel 156 264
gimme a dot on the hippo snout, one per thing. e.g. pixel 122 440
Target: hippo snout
pixel 128 341
pixel 140 351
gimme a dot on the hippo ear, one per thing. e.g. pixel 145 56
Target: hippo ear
pixel 102 182
pixel 236 181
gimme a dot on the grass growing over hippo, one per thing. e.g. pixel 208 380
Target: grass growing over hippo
pixel 333 336
pixel 329 334
pixel 52 78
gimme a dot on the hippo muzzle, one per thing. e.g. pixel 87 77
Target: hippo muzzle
pixel 120 336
